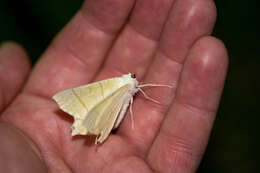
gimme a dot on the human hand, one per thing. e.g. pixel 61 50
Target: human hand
pixel 164 42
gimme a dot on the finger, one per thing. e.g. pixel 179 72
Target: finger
pixel 18 153
pixel 183 136
pixel 135 47
pixel 187 21
pixel 77 52
pixel 14 69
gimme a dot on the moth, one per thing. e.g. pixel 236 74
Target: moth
pixel 99 107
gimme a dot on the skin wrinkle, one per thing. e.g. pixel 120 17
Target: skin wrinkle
pixel 194 108
pixel 35 94
pixel 173 59
pixel 156 14
pixel 62 149
pixel 166 62
pixel 155 40
pixel 31 143
pixel 2 99
pixel 73 54
pixel 181 150
pixel 179 144
pixel 96 21
pixel 108 163
pixel 106 155
pixel 155 107
pixel 101 30
pixel 108 158
pixel 55 152
pixel 25 142
pixel 149 39
pixel 127 158
pixel 97 33
pixel 133 51
pixel 61 144
pixel 138 137
pixel 81 60
pixel 27 139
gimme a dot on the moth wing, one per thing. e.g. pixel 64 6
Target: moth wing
pixel 70 103
pixel 78 101
pixel 101 119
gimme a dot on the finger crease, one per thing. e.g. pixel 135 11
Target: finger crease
pixel 142 35
pixel 197 110
pixel 113 34
pixel 173 59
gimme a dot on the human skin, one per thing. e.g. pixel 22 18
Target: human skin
pixel 162 42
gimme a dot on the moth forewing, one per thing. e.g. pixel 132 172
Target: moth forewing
pixel 101 119
pixel 80 100
pixel 69 103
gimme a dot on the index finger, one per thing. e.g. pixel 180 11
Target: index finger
pixel 78 51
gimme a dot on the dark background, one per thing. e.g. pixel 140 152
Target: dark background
pixel 233 141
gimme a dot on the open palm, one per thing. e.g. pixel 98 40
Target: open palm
pixel 162 42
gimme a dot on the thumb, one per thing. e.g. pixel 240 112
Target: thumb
pixel 14 69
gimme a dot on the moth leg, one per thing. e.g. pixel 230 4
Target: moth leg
pixel 131 113
pixel 96 140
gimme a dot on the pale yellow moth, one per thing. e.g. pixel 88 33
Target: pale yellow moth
pixel 99 107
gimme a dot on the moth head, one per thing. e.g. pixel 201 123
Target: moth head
pixel 130 78
pixel 133 75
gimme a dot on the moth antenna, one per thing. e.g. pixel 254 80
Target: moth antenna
pixel 131 114
pixel 154 85
pixel 147 97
